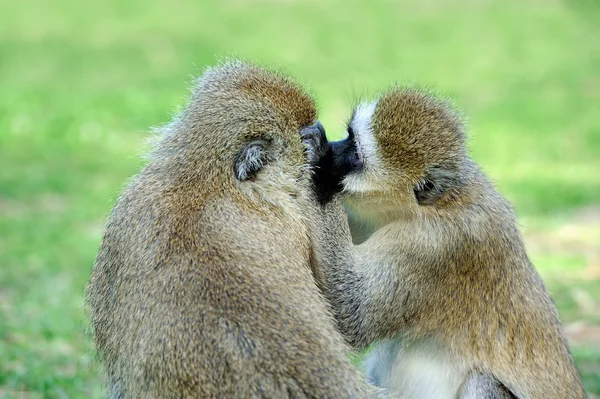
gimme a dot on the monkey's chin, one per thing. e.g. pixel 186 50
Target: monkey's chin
pixel 358 184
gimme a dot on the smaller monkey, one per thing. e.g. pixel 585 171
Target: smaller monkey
pixel 440 278
pixel 202 287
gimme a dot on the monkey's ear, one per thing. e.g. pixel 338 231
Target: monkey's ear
pixel 251 160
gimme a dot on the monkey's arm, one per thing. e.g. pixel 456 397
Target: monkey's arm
pixel 359 285
pixel 371 286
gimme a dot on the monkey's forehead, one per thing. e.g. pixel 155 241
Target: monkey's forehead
pixel 414 111
pixel 412 129
pixel 412 114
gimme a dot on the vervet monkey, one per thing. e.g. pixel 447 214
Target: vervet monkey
pixel 442 281
pixel 203 287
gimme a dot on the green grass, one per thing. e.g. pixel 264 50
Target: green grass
pixel 81 83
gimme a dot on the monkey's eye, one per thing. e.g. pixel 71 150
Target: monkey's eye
pixel 426 192
pixel 357 156
pixel 427 185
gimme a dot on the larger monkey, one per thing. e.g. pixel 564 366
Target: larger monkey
pixel 202 287
pixel 442 281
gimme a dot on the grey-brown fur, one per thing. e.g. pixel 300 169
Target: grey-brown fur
pixel 443 282
pixel 202 287
pixel 483 386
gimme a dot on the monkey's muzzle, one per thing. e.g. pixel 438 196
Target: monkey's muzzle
pixel 347 158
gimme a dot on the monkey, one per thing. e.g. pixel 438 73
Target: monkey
pixel 203 284
pixel 437 278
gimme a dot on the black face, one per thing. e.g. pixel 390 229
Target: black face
pixel 347 158
pixel 341 159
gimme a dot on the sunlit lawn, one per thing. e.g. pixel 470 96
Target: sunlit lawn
pixel 80 84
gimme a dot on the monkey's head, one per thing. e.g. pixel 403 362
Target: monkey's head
pixel 242 126
pixel 407 148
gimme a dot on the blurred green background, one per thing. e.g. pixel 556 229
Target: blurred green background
pixel 80 84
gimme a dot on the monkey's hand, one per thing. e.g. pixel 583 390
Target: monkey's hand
pixel 315 141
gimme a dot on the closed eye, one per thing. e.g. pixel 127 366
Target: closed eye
pixel 435 184
pixel 427 192
pixel 427 185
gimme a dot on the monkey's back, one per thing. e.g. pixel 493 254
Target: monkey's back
pixel 493 313
pixel 206 299
pixel 507 311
